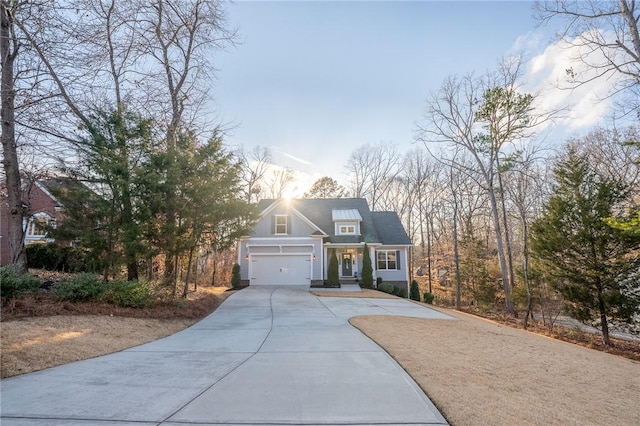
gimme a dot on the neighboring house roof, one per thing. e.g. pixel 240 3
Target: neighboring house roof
pixel 375 227
pixel 60 184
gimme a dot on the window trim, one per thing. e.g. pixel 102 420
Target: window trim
pixel 35 228
pixel 354 225
pixel 385 253
pixel 285 224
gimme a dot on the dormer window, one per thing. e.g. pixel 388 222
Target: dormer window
pixel 281 224
pixel 347 221
pixel 347 229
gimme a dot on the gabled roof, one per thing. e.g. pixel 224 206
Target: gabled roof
pixel 375 227
pixel 390 228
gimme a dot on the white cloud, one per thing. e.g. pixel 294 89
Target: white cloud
pixel 583 106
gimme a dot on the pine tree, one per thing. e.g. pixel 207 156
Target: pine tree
pixel 593 265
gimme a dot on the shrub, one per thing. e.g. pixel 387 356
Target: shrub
pixel 414 293
pixel 402 292
pixel 428 297
pixel 367 268
pixel 235 276
pixel 80 288
pixel 14 284
pixel 54 257
pixel 129 294
pixel 333 279
pixel 378 281
pixel 386 287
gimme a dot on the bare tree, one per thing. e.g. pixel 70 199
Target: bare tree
pixel 277 181
pixel 9 49
pixel 372 169
pixel 605 38
pixel 526 189
pixel 254 166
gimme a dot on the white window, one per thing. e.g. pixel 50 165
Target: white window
pixel 281 225
pixel 388 259
pixel 346 229
pixel 37 225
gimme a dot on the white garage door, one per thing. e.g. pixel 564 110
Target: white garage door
pixel 280 270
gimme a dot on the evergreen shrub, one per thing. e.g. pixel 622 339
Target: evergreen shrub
pixel 414 293
pixel 14 284
pixel 333 278
pixel 386 287
pixel 129 294
pixel 367 268
pixel 235 276
pixel 80 288
pixel 428 297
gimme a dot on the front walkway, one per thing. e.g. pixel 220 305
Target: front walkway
pixel 271 355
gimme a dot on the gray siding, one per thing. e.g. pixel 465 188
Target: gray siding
pixel 393 275
pixel 281 245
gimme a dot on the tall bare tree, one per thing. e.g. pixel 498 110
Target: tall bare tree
pixel 277 181
pixel 372 169
pixel 605 38
pixel 9 49
pixel 254 166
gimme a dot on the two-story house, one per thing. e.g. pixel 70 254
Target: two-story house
pixel 293 240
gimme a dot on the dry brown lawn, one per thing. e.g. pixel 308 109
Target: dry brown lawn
pixel 476 371
pixel 40 332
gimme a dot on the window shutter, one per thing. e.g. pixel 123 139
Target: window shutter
pixel 273 224
pixel 398 260
pixel 288 224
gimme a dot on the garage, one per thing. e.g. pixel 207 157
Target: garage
pixel 280 269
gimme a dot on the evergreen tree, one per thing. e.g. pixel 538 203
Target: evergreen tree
pixel 333 278
pixel 326 187
pixel 414 291
pixel 594 266
pixel 102 216
pixel 367 270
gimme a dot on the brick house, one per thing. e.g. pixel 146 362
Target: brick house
pixel 41 207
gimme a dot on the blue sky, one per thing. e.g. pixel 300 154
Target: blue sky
pixel 314 80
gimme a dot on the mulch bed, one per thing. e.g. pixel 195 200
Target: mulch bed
pixel 42 304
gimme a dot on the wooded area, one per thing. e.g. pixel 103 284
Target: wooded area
pixel 113 94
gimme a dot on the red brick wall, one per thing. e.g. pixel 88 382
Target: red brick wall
pixel 38 201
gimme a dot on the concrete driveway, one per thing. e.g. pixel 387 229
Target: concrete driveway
pixel 274 355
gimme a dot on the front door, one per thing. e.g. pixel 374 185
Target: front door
pixel 347 265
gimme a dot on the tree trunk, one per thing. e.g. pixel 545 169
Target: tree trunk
pixel 214 263
pixel 15 235
pixel 525 266
pixel 507 234
pixel 501 257
pixel 429 255
pixel 604 324
pixel 188 277
pixel 456 253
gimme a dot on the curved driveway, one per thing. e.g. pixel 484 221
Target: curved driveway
pixel 267 356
